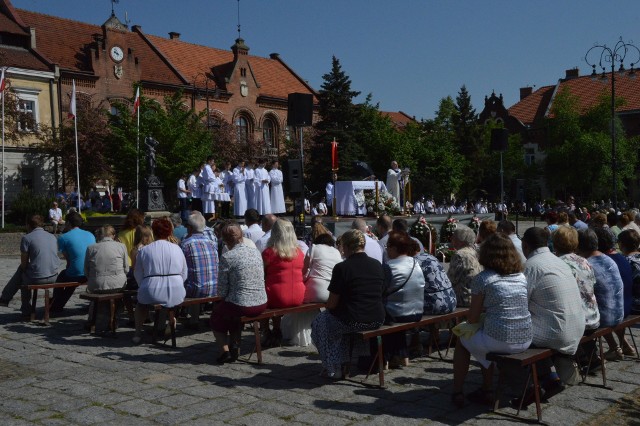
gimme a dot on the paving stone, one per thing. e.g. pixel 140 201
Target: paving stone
pixel 91 415
pixel 140 407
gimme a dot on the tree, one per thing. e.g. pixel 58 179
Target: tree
pixel 337 118
pixel 469 141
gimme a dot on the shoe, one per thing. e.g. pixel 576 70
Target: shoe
pixel 234 354
pixel 552 388
pixel 629 351
pixel 224 357
pixel 614 355
pixel 481 396
pixel 595 366
pixel 333 375
pixel 529 398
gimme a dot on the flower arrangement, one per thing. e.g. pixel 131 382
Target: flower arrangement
pixel 450 225
pixel 425 232
pixel 475 223
pixel 387 203
pixel 444 252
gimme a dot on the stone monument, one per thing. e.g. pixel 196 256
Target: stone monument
pixel 152 199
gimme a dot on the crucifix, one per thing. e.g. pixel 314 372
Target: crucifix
pixel 113 2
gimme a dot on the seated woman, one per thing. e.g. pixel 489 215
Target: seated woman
pixel 403 293
pixel 355 303
pixel 629 241
pixel 241 285
pixel 283 261
pixel 105 265
pixel 501 292
pixel 134 218
pixel 487 228
pixel 318 265
pixel 464 264
pixel 160 272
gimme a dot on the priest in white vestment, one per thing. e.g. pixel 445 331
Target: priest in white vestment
pixel 250 186
pixel 277 194
pixel 239 189
pixel 394 175
pixel 263 199
pixel 210 187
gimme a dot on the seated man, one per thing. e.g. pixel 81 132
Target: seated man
pixel 55 216
pixel 73 245
pixel 39 264
pixel 201 254
pixel 558 320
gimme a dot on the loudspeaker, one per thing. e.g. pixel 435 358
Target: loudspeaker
pixel 300 111
pixel 499 139
pixel 294 176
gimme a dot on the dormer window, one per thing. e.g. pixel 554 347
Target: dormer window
pixel 243 72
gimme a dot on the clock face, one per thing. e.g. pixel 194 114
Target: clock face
pixel 116 53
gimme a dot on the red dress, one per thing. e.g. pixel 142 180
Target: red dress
pixel 283 279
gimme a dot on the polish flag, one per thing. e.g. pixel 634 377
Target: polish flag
pixel 72 104
pixel 136 103
pixel 2 84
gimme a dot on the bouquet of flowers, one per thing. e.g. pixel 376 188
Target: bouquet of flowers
pixel 450 225
pixel 425 232
pixel 444 252
pixel 387 204
pixel 475 223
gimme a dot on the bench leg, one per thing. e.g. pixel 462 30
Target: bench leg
pixel 498 392
pixel 112 316
pixel 172 326
pixel 256 333
pixel 34 299
pixel 379 357
pixel 602 361
pixel 47 305
pixel 635 346
pixel 156 325
pixel 536 390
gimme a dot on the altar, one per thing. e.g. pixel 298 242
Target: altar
pixel 345 193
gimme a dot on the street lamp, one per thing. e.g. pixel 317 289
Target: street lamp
pixel 612 55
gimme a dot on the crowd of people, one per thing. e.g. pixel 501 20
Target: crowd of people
pixel 547 290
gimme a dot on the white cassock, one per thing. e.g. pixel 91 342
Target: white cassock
pixel 263 200
pixel 227 180
pixel 277 194
pixel 210 187
pixel 250 188
pixel 393 182
pixel 239 191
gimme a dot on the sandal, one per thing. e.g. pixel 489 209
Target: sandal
pixel 457 398
pixel 481 396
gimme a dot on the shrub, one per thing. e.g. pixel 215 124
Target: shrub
pixel 28 203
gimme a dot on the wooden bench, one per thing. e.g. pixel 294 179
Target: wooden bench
pixel 271 313
pixel 528 358
pixel 96 299
pixel 426 320
pixel 597 336
pixel 47 296
pixel 626 324
pixel 190 301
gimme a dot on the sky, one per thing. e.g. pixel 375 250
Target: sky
pixel 408 54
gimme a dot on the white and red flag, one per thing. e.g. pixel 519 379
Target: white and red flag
pixel 136 102
pixel 72 103
pixel 2 83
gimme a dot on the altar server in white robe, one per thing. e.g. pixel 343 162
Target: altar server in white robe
pixel 394 175
pixel 250 186
pixel 239 190
pixel 195 186
pixel 210 187
pixel 263 199
pixel 277 193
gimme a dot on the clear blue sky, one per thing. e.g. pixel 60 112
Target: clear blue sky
pixel 407 53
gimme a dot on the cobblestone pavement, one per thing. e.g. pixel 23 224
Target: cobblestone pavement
pixel 61 375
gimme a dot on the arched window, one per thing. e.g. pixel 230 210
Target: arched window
pixel 242 129
pixel 269 133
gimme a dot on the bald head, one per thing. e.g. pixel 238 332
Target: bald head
pixel 360 225
pixel 267 222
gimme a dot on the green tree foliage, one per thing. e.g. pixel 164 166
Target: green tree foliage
pixel 584 141
pixel 337 118
pixel 183 136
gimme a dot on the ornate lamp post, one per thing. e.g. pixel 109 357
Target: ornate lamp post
pixel 602 56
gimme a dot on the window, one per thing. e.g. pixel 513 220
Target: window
pixel 27 177
pixel 269 133
pixel 27 120
pixel 529 156
pixel 242 129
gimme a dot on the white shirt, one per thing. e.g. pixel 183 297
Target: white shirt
pixel 261 244
pixel 181 189
pixel 55 214
pixel 254 232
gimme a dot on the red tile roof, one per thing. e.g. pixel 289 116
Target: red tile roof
pixel 399 119
pixel 275 78
pixel 7 25
pixel 20 58
pixel 588 90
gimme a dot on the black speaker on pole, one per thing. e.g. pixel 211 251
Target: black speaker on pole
pixel 499 139
pixel 300 113
pixel 294 176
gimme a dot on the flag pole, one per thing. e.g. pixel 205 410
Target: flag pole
pixel 2 83
pixel 75 126
pixel 136 106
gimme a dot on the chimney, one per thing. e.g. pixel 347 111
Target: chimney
pixel 572 73
pixel 32 30
pixel 274 55
pixel 525 91
pixel 136 29
pixel 174 35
